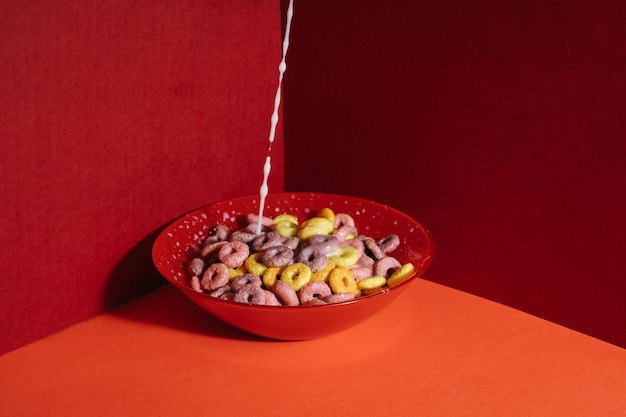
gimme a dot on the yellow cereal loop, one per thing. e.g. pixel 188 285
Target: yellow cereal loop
pixel 322 223
pixel 254 264
pixel 376 281
pixel 236 272
pixel 271 275
pixel 306 232
pixel 372 291
pixel 322 274
pixel 286 228
pixel 286 218
pixel 327 213
pixel 402 273
pixel 296 275
pixel 341 280
pixel 346 256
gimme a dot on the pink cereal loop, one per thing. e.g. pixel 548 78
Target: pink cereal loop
pixel 285 294
pixel 252 218
pixel 270 298
pixel 339 297
pixel 234 254
pixel 313 290
pixel 215 276
pixel 386 266
pixel 361 272
pixel 343 219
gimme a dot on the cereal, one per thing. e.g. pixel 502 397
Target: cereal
pixel 296 275
pixel 251 294
pixel 386 266
pixel 321 260
pixel 277 256
pixel 285 293
pixel 234 254
pixel 215 276
pixel 313 289
pixel 404 272
pixel 271 275
pixel 346 256
pixel 341 280
pixel 254 264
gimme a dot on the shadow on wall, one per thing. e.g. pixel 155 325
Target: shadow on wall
pixel 134 275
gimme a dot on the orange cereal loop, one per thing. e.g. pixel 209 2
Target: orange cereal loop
pixel 401 274
pixel 296 275
pixel 271 275
pixel 236 272
pixel 322 274
pixel 346 256
pixel 254 264
pixel 341 280
pixel 327 213
pixel 377 281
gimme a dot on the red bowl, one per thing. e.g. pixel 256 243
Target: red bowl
pixel 175 246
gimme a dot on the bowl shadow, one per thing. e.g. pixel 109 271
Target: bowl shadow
pixel 136 291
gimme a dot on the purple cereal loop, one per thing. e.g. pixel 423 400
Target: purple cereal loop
pixel 312 256
pixel 327 243
pixel 389 243
pixel 250 294
pixel 245 279
pixel 195 283
pixel 267 240
pixel 277 256
pixel 242 236
pixel 372 248
pixel 292 243
pixel 218 292
pixel 218 233
pixel 196 266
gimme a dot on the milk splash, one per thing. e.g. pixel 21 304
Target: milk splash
pixel 274 120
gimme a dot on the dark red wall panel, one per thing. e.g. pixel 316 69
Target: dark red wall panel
pixel 498 124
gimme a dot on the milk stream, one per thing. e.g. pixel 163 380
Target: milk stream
pixel 267 167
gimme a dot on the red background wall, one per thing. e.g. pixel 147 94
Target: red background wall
pixel 499 124
pixel 115 118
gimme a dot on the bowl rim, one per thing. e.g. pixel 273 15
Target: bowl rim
pixel 386 291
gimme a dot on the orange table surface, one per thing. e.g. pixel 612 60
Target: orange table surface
pixel 434 352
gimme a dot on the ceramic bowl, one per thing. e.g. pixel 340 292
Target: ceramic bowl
pixel 179 241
